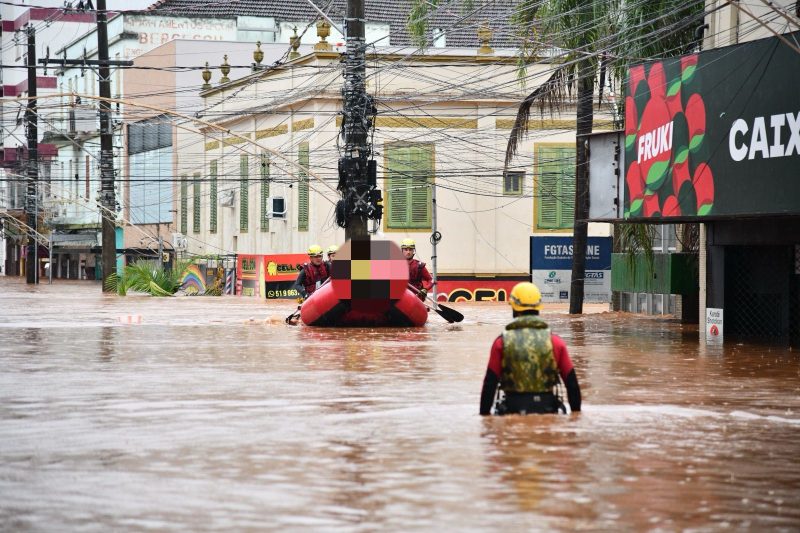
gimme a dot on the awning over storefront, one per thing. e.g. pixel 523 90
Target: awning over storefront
pixel 74 241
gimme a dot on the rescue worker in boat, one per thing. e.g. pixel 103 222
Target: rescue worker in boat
pixel 418 275
pixel 526 361
pixel 313 274
pixel 332 249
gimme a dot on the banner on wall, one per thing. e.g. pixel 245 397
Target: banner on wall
pixel 714 134
pixel 551 268
pixel 474 290
pixel 268 276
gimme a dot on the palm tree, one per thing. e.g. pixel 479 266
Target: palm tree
pixel 147 276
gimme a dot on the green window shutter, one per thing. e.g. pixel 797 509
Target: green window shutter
pixel 302 190
pixel 555 187
pixel 264 191
pixel 212 197
pixel 196 203
pixel 398 201
pixel 184 205
pixel 244 202
pixel 567 196
pixel 410 170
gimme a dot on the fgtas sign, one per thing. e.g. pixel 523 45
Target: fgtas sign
pixel 714 134
pixel 155 31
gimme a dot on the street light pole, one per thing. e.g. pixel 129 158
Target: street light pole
pixel 435 237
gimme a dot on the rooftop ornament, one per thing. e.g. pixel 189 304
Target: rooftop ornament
pixel 323 31
pixel 294 40
pixel 258 56
pixel 225 68
pixel 206 78
pixel 485 36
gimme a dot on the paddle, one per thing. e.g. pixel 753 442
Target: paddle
pixel 290 318
pixel 448 313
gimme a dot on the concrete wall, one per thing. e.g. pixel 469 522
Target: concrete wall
pixel 738 22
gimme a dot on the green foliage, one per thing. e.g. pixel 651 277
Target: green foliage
pixel 148 276
pixel 636 240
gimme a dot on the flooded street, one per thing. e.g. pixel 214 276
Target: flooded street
pixel 200 419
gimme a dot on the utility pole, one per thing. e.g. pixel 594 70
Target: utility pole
pixel 32 189
pixel 107 199
pixel 361 200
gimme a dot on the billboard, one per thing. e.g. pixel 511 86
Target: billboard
pixel 551 268
pixel 714 134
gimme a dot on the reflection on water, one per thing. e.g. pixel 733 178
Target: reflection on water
pixel 200 418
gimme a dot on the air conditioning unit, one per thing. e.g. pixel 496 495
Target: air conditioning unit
pixel 277 207
pixel 227 198
pixel 179 241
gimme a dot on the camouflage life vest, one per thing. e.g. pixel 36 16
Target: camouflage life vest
pixel 528 363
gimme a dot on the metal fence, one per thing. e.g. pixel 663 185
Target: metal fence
pixel 761 294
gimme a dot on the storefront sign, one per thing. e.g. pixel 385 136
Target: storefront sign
pixel 714 134
pixel 268 276
pixel 152 31
pixel 474 290
pixel 713 325
pixel 551 268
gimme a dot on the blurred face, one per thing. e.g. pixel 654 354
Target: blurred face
pixel 331 256
pixel 316 260
pixel 408 252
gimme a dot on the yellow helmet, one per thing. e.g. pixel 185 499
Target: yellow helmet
pixel 525 296
pixel 315 249
pixel 408 243
pixel 332 249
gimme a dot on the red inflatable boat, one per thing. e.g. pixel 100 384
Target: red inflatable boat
pixel 368 288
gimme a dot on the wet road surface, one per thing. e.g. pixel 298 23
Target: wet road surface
pixel 200 419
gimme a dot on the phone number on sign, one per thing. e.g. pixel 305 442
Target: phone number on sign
pixel 285 293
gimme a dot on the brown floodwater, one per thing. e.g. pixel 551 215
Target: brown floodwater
pixel 199 418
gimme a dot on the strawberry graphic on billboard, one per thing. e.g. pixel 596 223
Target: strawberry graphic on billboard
pixel 665 127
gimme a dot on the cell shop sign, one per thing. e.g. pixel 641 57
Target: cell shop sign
pixel 551 268
pixel 714 134
pixel 268 276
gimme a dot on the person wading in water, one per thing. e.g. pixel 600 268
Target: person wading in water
pixel 526 361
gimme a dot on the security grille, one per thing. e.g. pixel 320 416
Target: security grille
pixel 760 293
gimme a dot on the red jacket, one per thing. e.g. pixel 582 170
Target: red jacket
pixel 418 275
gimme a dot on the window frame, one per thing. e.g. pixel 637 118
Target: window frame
pixel 560 225
pixel 520 182
pixel 393 182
